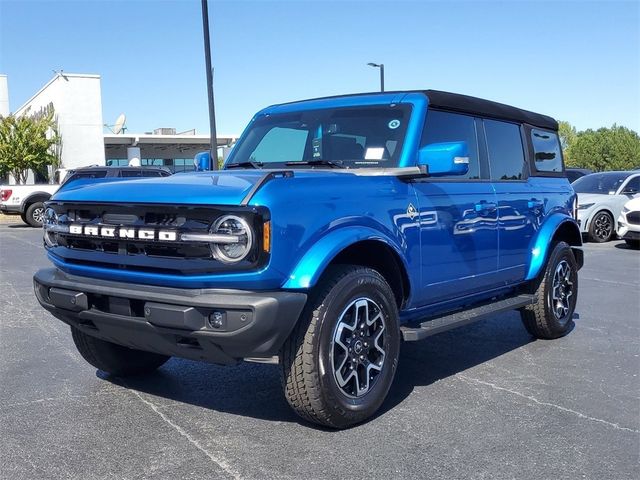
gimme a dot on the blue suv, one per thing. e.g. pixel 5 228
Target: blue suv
pixel 338 228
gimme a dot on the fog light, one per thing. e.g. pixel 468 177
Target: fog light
pixel 216 320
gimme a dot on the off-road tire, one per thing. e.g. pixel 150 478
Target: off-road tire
pixel 308 378
pixel 33 211
pixel 115 359
pixel 602 221
pixel 23 217
pixel 540 319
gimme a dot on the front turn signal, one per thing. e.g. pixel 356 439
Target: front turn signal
pixel 266 237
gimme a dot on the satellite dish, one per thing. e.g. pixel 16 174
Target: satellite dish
pixel 118 127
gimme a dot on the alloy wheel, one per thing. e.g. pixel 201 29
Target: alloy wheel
pixel 358 348
pixel 562 291
pixel 38 215
pixel 603 226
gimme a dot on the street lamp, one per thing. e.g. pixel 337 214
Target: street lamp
pixel 381 67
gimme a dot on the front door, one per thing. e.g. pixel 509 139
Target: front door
pixel 458 218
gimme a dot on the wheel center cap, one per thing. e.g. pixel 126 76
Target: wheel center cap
pixel 358 347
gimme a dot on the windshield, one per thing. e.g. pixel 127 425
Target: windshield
pixel 605 183
pixel 353 137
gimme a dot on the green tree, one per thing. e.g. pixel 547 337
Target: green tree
pixel 568 135
pixel 28 143
pixel 615 148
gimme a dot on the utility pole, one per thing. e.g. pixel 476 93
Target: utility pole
pixel 207 59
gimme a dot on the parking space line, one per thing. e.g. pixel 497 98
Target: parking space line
pixel 547 404
pixel 614 282
pixel 220 462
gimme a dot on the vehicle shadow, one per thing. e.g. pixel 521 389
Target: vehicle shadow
pixel 624 246
pixel 254 390
pixel 18 225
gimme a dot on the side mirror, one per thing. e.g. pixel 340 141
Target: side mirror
pixel 449 158
pixel 202 161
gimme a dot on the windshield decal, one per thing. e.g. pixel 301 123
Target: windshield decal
pixel 393 124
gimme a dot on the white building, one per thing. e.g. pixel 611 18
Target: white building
pixel 77 101
pixel 4 96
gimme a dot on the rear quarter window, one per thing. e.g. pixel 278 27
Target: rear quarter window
pixel 547 155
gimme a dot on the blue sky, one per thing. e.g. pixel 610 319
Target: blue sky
pixel 576 61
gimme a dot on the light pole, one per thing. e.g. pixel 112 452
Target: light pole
pixel 381 67
pixel 207 59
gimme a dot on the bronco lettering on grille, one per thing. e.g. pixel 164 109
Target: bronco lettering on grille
pixel 123 233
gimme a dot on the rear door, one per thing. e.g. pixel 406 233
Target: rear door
pixel 521 205
pixel 457 217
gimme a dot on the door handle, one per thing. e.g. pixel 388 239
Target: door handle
pixel 483 206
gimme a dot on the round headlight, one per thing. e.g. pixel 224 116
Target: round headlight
pixel 50 219
pixel 237 227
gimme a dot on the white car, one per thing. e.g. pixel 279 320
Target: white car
pixel 629 223
pixel 601 197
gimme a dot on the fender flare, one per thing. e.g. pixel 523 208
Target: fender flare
pixel 306 273
pixel 27 201
pixel 539 250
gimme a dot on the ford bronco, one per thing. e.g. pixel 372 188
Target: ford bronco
pixel 338 228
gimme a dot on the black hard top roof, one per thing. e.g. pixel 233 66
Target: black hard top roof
pixel 465 104
pixel 479 106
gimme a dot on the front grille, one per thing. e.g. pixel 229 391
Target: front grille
pixel 633 218
pixel 155 255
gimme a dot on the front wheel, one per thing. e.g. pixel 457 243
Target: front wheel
pixel 601 229
pixel 557 293
pixel 339 362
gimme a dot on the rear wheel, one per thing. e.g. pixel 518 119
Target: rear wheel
pixel 340 360
pixel 35 214
pixel 557 293
pixel 601 228
pixel 115 359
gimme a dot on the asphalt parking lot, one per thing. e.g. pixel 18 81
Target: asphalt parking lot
pixel 484 401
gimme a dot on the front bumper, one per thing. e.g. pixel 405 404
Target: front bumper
pixel 213 325
pixel 583 219
pixel 627 231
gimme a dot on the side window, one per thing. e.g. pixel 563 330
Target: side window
pixel 281 144
pixel 633 186
pixel 131 173
pixel 89 174
pixel 452 127
pixel 546 151
pixel 504 145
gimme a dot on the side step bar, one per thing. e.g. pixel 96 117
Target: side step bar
pixel 463 317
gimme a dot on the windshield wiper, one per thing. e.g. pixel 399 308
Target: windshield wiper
pixel 314 163
pixel 250 163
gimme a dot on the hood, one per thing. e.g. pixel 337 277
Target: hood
pixel 225 187
pixel 633 205
pixel 584 198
